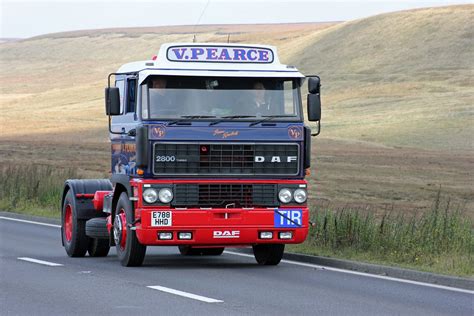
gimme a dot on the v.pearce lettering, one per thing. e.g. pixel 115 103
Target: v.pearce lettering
pixel 220 54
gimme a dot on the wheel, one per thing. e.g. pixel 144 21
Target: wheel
pixel 129 250
pixel 73 230
pixel 190 251
pixel 98 247
pixel 269 255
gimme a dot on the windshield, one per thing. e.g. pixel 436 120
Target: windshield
pixel 167 97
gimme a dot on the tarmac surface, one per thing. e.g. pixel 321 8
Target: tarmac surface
pixel 38 278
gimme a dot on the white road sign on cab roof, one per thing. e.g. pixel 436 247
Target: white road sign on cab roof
pixel 219 54
pixel 213 59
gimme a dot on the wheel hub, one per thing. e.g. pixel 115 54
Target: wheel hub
pixel 120 229
pixel 68 222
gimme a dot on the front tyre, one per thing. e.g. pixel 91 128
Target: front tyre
pixel 129 250
pixel 73 230
pixel 268 254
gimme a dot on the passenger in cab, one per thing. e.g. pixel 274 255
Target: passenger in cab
pixel 260 103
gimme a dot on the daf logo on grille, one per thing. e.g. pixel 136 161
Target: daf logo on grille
pixel 275 159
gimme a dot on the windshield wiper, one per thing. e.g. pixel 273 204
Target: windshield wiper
pixel 189 117
pixel 269 118
pixel 225 118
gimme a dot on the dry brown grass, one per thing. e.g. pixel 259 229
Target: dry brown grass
pixel 400 79
pixel 59 78
pixel 397 97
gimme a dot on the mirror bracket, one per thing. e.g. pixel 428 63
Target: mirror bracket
pixel 318 131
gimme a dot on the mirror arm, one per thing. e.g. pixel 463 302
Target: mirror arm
pixel 110 127
pixel 318 130
pixel 112 132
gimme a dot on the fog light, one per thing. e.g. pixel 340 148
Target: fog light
pixel 165 236
pixel 186 236
pixel 285 235
pixel 266 235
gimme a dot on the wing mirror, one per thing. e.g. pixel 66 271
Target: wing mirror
pixel 314 99
pixel 112 101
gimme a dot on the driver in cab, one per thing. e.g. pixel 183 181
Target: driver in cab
pixel 160 100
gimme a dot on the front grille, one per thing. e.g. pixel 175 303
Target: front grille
pixel 225 159
pixel 222 195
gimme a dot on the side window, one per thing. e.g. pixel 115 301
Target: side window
pixel 131 95
pixel 121 85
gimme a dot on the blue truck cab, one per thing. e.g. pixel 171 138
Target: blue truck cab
pixel 208 150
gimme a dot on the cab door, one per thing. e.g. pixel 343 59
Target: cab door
pixel 123 126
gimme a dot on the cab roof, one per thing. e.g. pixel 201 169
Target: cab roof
pixel 213 59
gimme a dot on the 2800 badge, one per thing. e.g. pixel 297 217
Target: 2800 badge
pixel 165 158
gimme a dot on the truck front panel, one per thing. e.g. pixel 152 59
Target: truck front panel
pixel 211 219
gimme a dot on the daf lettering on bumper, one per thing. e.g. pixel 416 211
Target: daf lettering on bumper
pixel 226 234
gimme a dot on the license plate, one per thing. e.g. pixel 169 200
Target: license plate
pixel 288 218
pixel 161 218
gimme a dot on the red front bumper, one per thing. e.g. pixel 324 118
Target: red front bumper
pixel 221 227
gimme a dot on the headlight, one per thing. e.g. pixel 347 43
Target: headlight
pixel 284 196
pixel 165 195
pixel 300 196
pixel 150 195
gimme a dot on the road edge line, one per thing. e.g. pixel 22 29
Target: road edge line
pixel 29 222
pixel 32 218
pixel 465 285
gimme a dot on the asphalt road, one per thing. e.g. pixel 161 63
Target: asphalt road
pixel 229 284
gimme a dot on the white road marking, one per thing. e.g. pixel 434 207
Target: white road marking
pixel 375 276
pixel 46 263
pixel 185 294
pixel 309 265
pixel 29 222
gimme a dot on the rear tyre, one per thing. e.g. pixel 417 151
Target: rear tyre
pixel 190 251
pixel 129 250
pixel 73 230
pixel 98 247
pixel 268 255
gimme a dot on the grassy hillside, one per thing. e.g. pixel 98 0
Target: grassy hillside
pixel 397 97
pixel 59 78
pixel 401 79
pixel 397 138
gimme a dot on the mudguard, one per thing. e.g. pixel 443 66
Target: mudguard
pixel 123 180
pixel 84 206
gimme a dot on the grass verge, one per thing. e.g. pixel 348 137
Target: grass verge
pixel 33 189
pixel 440 240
